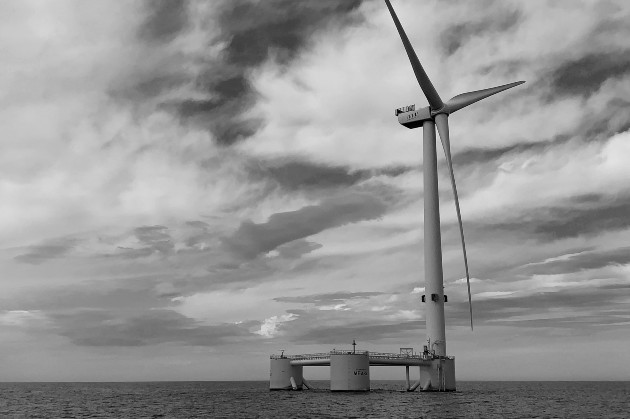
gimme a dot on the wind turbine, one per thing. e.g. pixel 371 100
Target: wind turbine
pixel 436 114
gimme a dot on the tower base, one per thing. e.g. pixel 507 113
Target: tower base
pixel 438 375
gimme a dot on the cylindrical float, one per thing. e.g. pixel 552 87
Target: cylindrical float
pixel 349 371
pixel 280 373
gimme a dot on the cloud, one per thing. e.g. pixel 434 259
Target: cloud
pixel 279 27
pixel 50 249
pixel 580 261
pixel 251 239
pixel 248 34
pixel 502 19
pixel 326 299
pixel 572 220
pixel 296 174
pixel 105 328
pixel 21 318
pixel 479 155
pixel 609 120
pixel 585 75
pixel 297 248
pixel 270 327
pixel 164 20
pixel 152 240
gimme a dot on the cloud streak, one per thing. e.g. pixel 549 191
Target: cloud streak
pixel 251 239
pixel 102 328
pixel 51 249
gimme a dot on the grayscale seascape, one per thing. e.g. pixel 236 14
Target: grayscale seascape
pixel 311 208
pixel 243 399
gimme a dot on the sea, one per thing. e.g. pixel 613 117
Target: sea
pixel 248 399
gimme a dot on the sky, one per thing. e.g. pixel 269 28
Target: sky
pixel 187 187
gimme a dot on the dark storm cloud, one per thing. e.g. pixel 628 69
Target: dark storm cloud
pixel 229 95
pixel 473 156
pixel 190 108
pixel 51 249
pixel 573 222
pixel 251 32
pixel 164 20
pixel 231 87
pixel 570 219
pixel 298 174
pixel 156 240
pixel 228 132
pixel 105 328
pixel 221 113
pixel 327 299
pixel 251 239
pixel 254 31
pixel 583 76
pixel 454 37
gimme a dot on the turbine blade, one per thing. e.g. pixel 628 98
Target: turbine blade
pixel 425 84
pixel 461 101
pixel 441 121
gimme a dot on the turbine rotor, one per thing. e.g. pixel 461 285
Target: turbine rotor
pixel 438 111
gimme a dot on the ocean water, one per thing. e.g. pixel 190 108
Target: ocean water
pixel 254 400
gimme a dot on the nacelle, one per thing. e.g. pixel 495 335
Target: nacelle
pixel 414 118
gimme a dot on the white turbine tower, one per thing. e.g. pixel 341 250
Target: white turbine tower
pixel 436 114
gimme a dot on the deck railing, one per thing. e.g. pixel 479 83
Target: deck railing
pixel 381 355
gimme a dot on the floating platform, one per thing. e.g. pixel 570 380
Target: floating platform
pixel 350 370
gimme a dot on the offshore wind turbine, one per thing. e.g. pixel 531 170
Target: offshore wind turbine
pixel 436 114
pixel 350 370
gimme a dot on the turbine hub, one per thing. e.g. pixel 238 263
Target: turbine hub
pixel 443 109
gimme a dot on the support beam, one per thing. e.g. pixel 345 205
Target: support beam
pixel 306 384
pixel 414 386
